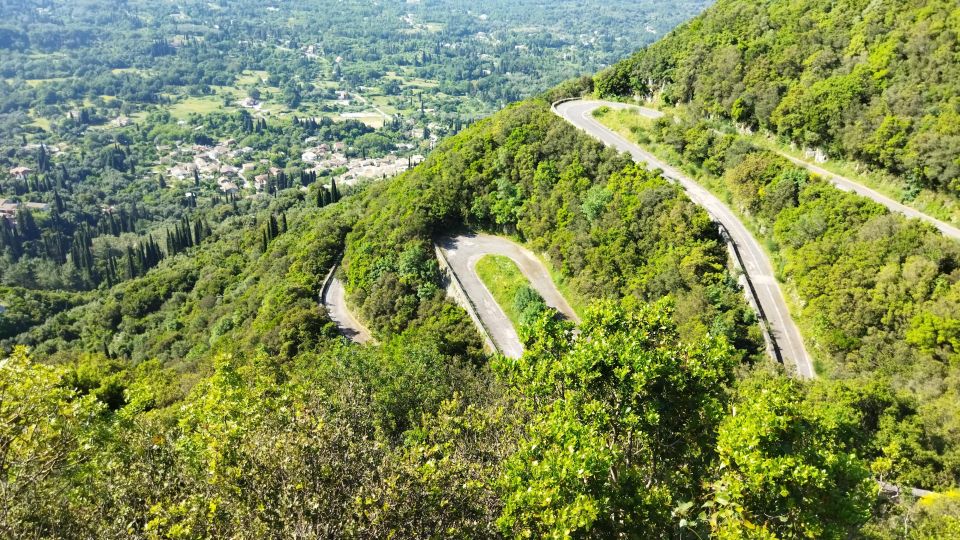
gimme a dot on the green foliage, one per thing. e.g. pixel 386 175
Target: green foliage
pixel 610 228
pixel 872 81
pixel 877 291
pixel 785 470
pixel 45 429
pixel 261 447
pixel 208 394
pixel 530 305
pixel 24 308
pixel 620 429
pixel 622 423
pixel 224 296
pixel 595 202
pixel 939 516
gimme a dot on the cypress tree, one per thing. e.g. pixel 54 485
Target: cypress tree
pixel 272 227
pixel 131 269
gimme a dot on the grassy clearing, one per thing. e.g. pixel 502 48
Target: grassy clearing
pixel 252 77
pixel 132 70
pixel 42 123
pixel 199 105
pixel 624 121
pixel 504 280
pixel 46 56
pixel 415 82
pixel 385 103
pixel 372 120
pixel 33 83
pixel 232 91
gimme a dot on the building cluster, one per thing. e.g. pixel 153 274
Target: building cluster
pixel 375 168
pixel 187 163
pixel 233 168
pixel 9 208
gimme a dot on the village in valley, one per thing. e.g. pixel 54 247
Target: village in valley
pixel 234 169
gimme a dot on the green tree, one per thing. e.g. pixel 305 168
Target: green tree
pixel 621 428
pixel 44 429
pixel 785 469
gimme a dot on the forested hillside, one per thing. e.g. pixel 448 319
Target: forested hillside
pixel 876 293
pixel 872 80
pixel 610 228
pixel 235 410
pixel 168 369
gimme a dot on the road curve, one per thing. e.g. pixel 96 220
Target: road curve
pixel 464 251
pixel 842 182
pixel 787 340
pixel 335 300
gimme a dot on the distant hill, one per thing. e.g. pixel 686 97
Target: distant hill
pixel 873 80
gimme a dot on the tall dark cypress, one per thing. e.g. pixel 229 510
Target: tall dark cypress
pixel 272 227
pixel 131 268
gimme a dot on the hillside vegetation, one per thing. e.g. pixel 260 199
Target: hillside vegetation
pixel 239 413
pixel 872 80
pixel 200 390
pixel 876 293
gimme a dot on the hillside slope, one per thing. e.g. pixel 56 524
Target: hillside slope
pixel 210 398
pixel 872 80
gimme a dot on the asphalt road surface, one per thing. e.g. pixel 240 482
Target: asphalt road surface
pixel 841 182
pixel 335 300
pixel 463 252
pixel 787 339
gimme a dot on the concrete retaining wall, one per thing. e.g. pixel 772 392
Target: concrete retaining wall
pixel 327 280
pixel 750 292
pixel 455 291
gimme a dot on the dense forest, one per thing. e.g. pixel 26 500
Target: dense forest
pixel 168 369
pixel 236 410
pixel 874 81
pixel 878 293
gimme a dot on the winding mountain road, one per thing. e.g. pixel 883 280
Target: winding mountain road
pixel 841 182
pixel 464 251
pixel 335 300
pixel 787 343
